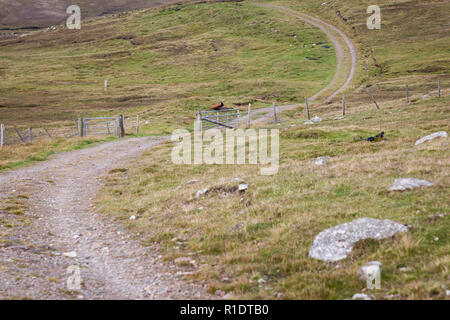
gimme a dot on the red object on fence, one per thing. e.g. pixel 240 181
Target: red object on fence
pixel 218 106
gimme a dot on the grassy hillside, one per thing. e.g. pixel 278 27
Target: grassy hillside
pixel 164 64
pixel 236 239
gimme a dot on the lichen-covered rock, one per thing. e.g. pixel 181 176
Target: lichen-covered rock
pixel 440 134
pixel 403 184
pixel 336 243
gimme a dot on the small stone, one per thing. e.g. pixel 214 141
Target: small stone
pixel 436 239
pixel 316 119
pixel 261 281
pixel 320 161
pixel 238 180
pixel 237 227
pixel 243 187
pixel 192 181
pixel 403 184
pixel 225 279
pixel 200 208
pixel 184 261
pixel 71 254
pixel 405 269
pixel 361 296
pixel 447 293
pixel 308 122
pixel 201 192
pixel 368 270
pixel 440 134
pixel 219 293
pixel 426 96
pixel 132 218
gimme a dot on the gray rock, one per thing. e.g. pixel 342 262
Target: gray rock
pixel 237 227
pixel 201 192
pixel 192 181
pixel 368 270
pixel 316 119
pixel 403 184
pixel 361 296
pixel 71 254
pixel 320 161
pixel 336 243
pixel 426 96
pixel 440 134
pixel 243 187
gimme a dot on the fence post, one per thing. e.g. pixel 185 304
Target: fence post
pixel 46 131
pixel 274 112
pixel 31 134
pixel 439 88
pixel 199 121
pixel 249 115
pixel 373 99
pixel 238 117
pixel 307 109
pixel 407 94
pixel 106 85
pixel 137 124
pixel 121 127
pixel 2 135
pixel 343 105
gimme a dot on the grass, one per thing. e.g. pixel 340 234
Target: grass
pixel 163 64
pixel 266 233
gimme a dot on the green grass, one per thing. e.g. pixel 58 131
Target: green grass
pixel 163 64
pixel 281 215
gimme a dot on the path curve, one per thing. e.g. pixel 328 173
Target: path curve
pixel 328 29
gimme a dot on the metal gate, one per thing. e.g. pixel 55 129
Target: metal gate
pixel 228 118
pixel 100 126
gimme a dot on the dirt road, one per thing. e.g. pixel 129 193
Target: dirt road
pixel 59 193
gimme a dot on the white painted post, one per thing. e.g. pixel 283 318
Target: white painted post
pixel 2 135
pixel 249 115
pixel 274 112
pixel 137 124
pixel 106 85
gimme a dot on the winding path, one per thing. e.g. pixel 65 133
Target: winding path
pixel 59 193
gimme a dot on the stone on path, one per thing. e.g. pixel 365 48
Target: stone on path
pixel 71 254
pixel 336 243
pixel 440 134
pixel 403 184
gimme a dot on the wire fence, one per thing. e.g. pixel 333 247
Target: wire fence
pixel 108 126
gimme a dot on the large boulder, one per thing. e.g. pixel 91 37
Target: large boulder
pixel 336 243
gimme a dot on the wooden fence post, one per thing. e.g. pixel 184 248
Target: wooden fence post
pixel 307 109
pixel 439 88
pixel 274 112
pixel 46 131
pixel 249 115
pixel 343 105
pixel 2 135
pixel 81 127
pixel 373 99
pixel 238 117
pixel 137 124
pixel 31 134
pixel 20 136
pixel 199 121
pixel 121 127
pixel 407 94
